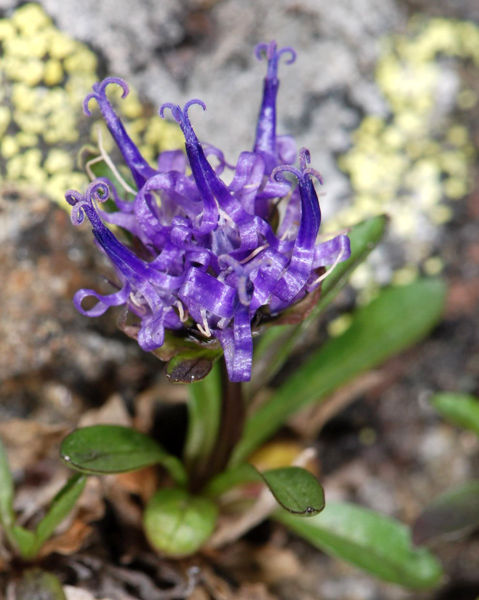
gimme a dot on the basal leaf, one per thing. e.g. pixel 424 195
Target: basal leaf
pixel 7 517
pixel 395 320
pixel 296 490
pixel 178 524
pixel 24 540
pixel 460 409
pixel 104 449
pixel 454 511
pixel 374 543
pixel 59 508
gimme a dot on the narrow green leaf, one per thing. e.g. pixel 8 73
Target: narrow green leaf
pixel 204 411
pixel 374 543
pixel 35 584
pixel 296 490
pixel 104 449
pixel 24 540
pixel 395 320
pixel 454 511
pixel 460 409
pixel 276 343
pixel 7 517
pixel 61 505
pixel 19 538
pixel 178 524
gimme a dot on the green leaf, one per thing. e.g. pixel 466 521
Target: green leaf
pixel 374 543
pixel 395 320
pixel 35 584
pixel 7 516
pixel 24 540
pixel 61 505
pixel 276 343
pixel 454 511
pixel 296 490
pixel 178 524
pixel 460 409
pixel 204 411
pixel 19 538
pixel 104 449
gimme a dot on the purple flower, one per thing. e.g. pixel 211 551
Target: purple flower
pixel 207 261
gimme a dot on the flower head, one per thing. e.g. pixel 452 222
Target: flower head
pixel 207 260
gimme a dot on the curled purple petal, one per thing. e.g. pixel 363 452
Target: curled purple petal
pixel 104 301
pixel 328 252
pixel 203 289
pixel 138 166
pixel 238 346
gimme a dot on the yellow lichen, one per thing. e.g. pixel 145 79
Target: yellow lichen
pixel 411 163
pixel 433 265
pixel 47 74
pixel 53 72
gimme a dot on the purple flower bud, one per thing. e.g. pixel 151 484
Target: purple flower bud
pixel 210 261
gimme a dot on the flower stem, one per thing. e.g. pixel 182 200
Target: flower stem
pixel 230 430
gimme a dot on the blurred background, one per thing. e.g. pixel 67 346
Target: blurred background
pixel 384 93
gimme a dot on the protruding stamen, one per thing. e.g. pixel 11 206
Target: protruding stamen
pixel 304 158
pixel 181 116
pixel 138 166
pixel 176 111
pixel 302 173
pixel 286 168
pixel 273 55
pixel 96 191
pixel 182 313
pixel 205 328
pixel 99 92
pixel 265 142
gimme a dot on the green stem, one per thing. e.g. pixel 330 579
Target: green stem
pixel 230 431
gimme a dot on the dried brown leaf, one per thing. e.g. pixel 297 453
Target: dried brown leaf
pixel 143 483
pixel 69 542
